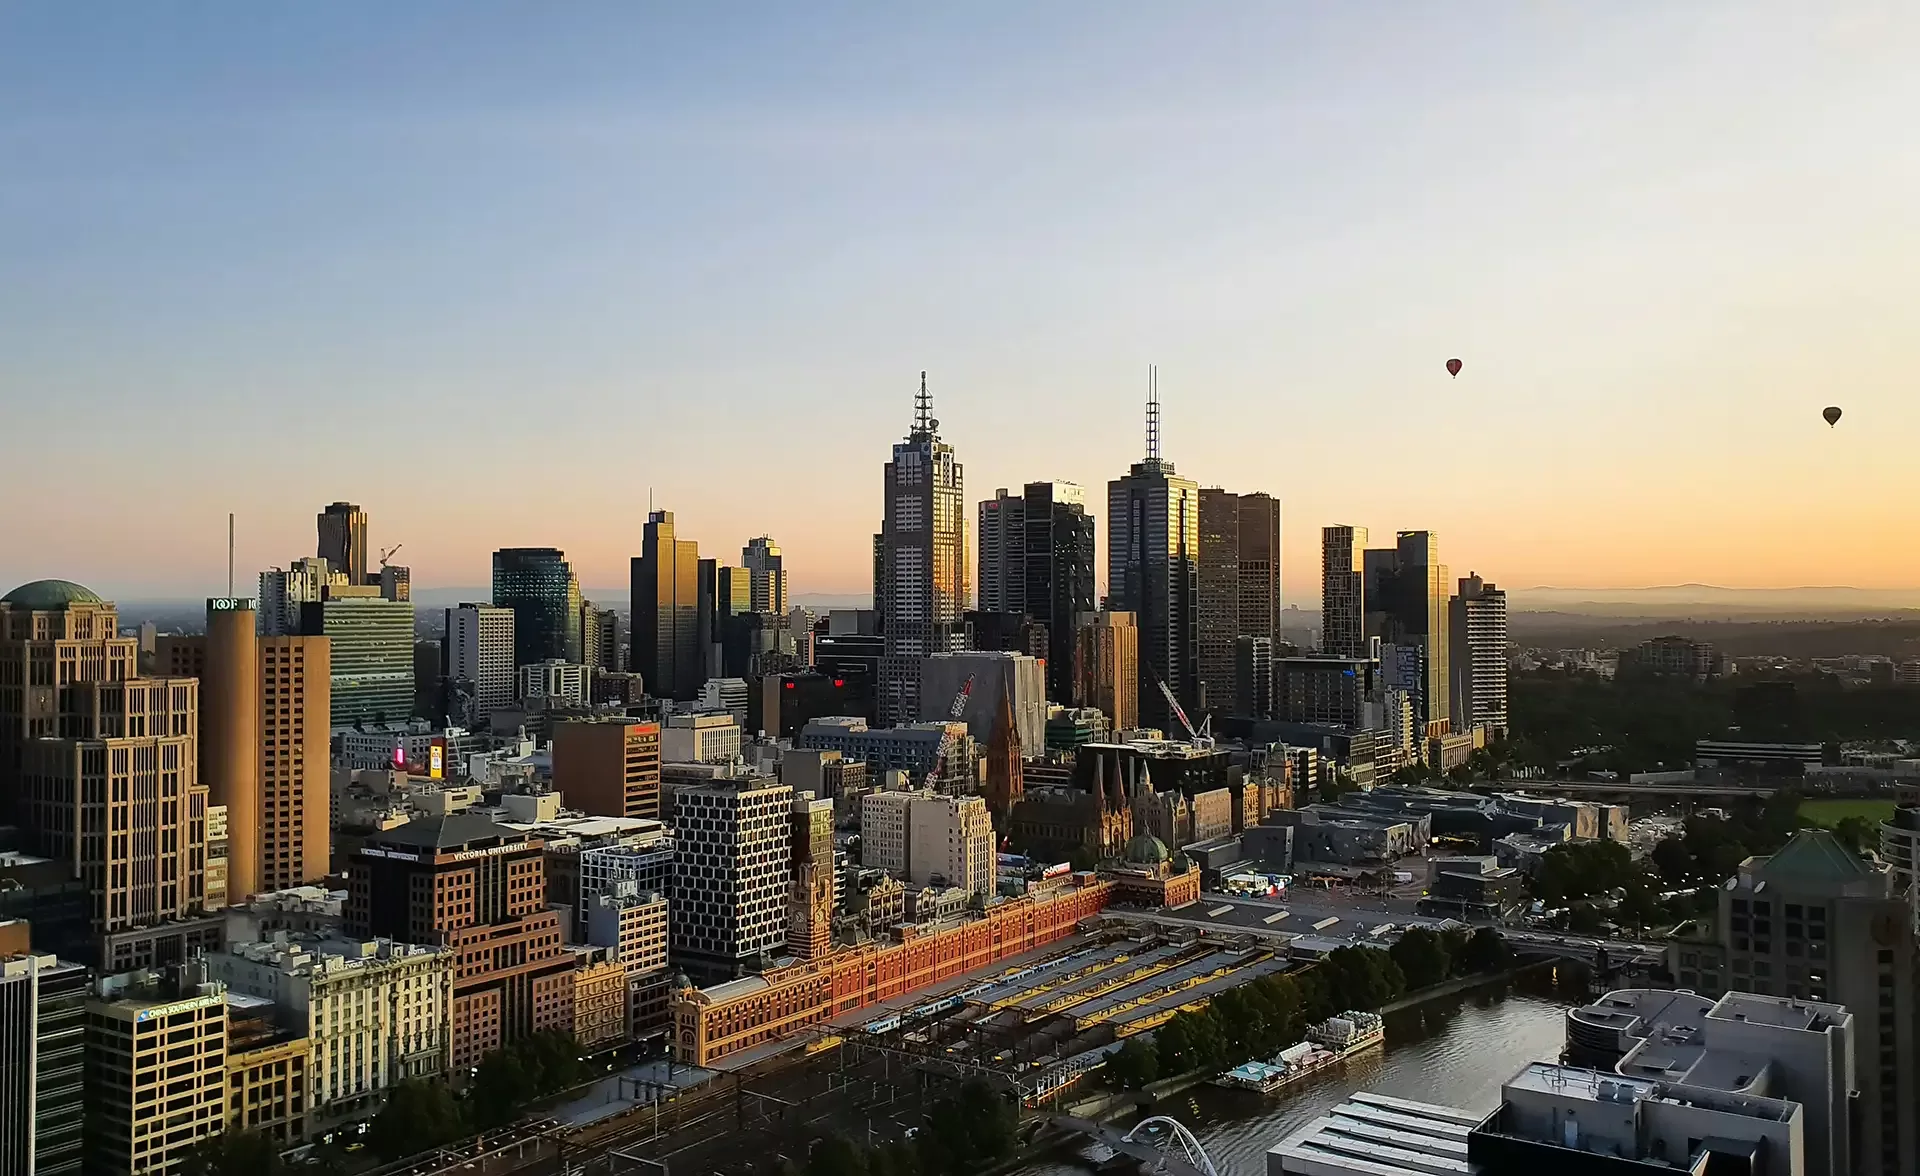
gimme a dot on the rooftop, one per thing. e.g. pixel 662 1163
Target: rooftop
pixel 48 595
pixel 1383 1137
pixel 453 831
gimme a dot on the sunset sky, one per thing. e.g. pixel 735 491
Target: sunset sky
pixel 498 271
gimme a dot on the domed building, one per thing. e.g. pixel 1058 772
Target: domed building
pixel 1149 874
pixel 87 743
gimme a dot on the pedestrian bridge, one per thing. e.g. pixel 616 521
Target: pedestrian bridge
pixel 1161 1144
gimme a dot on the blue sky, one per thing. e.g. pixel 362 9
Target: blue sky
pixel 497 272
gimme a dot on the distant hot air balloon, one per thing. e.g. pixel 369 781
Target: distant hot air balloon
pixel 1453 368
pixel 1833 416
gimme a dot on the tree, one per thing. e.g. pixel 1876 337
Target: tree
pixel 836 1155
pixel 233 1153
pixel 1857 833
pixel 418 1115
pixel 1134 1064
pixel 1363 978
pixel 1671 858
pixel 500 1089
pixel 1422 958
pixel 1487 951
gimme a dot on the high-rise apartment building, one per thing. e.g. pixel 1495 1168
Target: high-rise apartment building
pixel 395 582
pixel 590 636
pixel 1239 587
pixel 1253 677
pixel 265 715
pixel 538 584
pixel 1815 922
pixel 1036 560
pixel 1343 591
pixel 1153 567
pixel 733 848
pixel 921 580
pixel 43 1025
pixel 767 576
pixel 480 652
pixel 1406 607
pixel 284 591
pixel 608 767
pixel 1106 667
pixel 478 889
pixel 1478 648
pixel 100 765
pixel 666 611
pixel 928 837
pixel 371 647
pixel 613 643
pixel 343 540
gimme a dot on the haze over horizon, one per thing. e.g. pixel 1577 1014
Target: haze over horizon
pixel 496 275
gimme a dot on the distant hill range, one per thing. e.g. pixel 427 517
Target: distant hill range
pixel 1708 600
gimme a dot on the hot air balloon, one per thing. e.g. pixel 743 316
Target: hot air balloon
pixel 1833 416
pixel 1453 368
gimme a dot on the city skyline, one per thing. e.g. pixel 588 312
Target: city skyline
pixel 1661 241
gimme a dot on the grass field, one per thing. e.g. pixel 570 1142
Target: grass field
pixel 1831 812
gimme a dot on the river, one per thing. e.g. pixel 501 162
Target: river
pixel 1455 1050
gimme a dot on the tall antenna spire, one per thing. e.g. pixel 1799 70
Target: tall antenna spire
pixel 923 421
pixel 1153 413
pixel 229 554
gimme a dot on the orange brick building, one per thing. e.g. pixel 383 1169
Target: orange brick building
pixel 480 889
pixel 713 1024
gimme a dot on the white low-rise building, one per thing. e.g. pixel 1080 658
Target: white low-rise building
pixel 377 1012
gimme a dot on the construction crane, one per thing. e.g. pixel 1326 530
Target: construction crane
pixel 388 553
pixel 953 716
pixel 1203 738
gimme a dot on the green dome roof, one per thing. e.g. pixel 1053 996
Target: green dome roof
pixel 43 595
pixel 1145 850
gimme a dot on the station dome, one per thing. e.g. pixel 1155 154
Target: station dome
pixel 45 595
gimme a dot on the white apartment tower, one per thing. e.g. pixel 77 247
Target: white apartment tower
pixel 921 583
pixel 920 836
pixel 1478 620
pixel 766 575
pixel 480 651
pixel 733 852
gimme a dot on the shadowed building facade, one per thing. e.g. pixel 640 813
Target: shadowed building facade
pixel 479 889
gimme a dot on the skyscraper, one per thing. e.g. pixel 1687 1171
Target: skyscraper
pixel 733 852
pixel 1343 591
pixel 343 540
pixel 1153 561
pixel 43 1027
pixel 265 710
pixel 283 592
pixel 105 750
pixel 1002 541
pixel 767 576
pixel 1106 668
pixel 1406 607
pixel 725 594
pixel 921 583
pixel 539 586
pixel 1219 606
pixel 1817 922
pixel 666 611
pixel 1057 559
pixel 1478 649
pixel 371 654
pixel 480 652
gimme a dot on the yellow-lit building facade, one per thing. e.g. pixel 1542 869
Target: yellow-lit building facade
pixel 156 1077
pixel 267 1069
pixel 599 999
